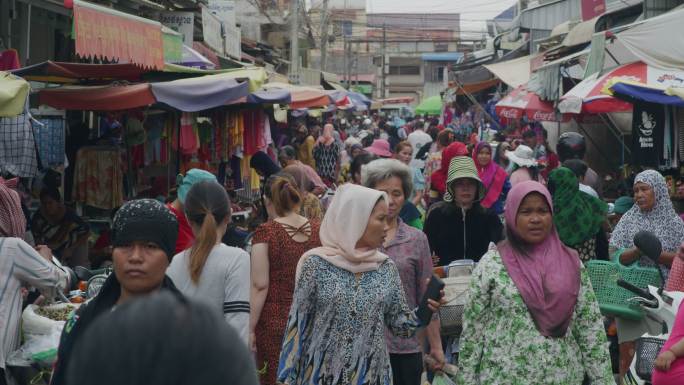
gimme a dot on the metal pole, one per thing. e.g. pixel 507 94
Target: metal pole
pixel 324 35
pixel 384 54
pixel 294 43
pixel 346 75
pixel 28 34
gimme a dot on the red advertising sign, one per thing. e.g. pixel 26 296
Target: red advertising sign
pixel 114 35
pixel 593 8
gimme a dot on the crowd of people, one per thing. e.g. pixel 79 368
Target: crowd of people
pixel 355 218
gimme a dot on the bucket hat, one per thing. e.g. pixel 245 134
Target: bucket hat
pixel 523 156
pixel 462 167
pixel 380 147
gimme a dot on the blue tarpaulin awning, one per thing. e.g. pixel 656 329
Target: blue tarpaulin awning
pixel 273 96
pixel 443 56
pixel 632 91
pixel 197 94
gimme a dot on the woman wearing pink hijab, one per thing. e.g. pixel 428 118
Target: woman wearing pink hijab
pixel 327 155
pixel 532 316
pixel 494 178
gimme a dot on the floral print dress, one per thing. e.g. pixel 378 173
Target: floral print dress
pixel 501 345
pixel 335 332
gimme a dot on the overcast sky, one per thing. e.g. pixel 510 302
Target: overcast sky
pixel 473 12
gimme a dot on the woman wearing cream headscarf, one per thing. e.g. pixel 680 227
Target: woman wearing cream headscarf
pixel 346 293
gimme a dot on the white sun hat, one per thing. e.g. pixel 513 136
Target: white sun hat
pixel 523 156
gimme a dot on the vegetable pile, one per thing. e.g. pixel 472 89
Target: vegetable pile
pixel 57 314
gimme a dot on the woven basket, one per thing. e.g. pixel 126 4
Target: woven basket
pixel 451 313
pixel 612 299
pixel 647 349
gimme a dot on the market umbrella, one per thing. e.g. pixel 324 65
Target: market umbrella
pixel 521 102
pixel 590 95
pixel 632 91
pixel 430 106
pixel 360 101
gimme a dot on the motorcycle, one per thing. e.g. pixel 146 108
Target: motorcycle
pixel 659 306
pixel 94 279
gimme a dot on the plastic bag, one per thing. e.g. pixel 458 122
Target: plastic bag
pixel 37 349
pixel 442 379
pixel 41 337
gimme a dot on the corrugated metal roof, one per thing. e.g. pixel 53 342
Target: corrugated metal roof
pixel 549 15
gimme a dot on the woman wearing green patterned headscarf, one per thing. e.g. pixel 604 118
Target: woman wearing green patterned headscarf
pixel 578 216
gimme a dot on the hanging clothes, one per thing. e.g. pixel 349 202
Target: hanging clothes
pixel 18 146
pixel 98 177
pixel 50 135
pixel 155 128
pixel 189 142
pixel 253 131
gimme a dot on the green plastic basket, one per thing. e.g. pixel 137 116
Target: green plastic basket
pixel 612 298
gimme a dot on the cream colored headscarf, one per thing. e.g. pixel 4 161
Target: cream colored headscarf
pixel 344 223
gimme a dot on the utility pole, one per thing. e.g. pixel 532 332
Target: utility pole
pixel 384 55
pixel 324 35
pixel 346 59
pixel 294 43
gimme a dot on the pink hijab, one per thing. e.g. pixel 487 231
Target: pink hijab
pixel 547 275
pixel 327 137
pixel 344 223
pixel 492 175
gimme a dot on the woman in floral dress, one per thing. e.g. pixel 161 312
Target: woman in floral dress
pixel 276 248
pixel 531 315
pixel 346 293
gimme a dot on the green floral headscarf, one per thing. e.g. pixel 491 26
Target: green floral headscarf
pixel 578 216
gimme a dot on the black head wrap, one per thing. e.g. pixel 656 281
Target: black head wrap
pixel 264 164
pixel 146 220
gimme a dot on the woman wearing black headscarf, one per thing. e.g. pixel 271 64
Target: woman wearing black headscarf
pixel 265 167
pixel 144 238
pixel 263 164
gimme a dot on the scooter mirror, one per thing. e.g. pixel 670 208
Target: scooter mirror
pixel 649 244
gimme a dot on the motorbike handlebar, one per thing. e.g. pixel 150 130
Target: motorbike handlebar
pixel 636 290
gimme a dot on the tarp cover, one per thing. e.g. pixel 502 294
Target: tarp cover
pixel 514 72
pixel 105 98
pixel 658 41
pixel 197 94
pixel 270 96
pixel 303 97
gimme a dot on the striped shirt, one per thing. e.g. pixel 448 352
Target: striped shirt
pixel 224 283
pixel 21 265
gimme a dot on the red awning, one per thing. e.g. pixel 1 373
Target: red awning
pixel 475 87
pixel 104 32
pixel 130 72
pixel 106 98
pixel 309 99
